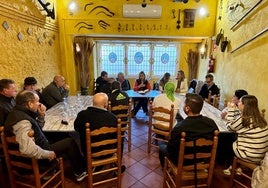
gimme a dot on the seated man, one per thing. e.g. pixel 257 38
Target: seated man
pixel 195 126
pixel 98 116
pixel 107 88
pixel 118 97
pixel 101 81
pixel 7 102
pixel 23 118
pixel 30 84
pixel 125 85
pixel 209 86
pixel 55 91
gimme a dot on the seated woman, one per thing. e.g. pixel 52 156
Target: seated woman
pixel 235 99
pixel 251 128
pixel 163 81
pixel 181 83
pixel 165 100
pixel 141 84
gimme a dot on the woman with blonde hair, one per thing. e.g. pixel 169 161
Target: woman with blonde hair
pixel 181 85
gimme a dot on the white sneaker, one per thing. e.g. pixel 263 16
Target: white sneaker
pixel 227 171
pixel 80 177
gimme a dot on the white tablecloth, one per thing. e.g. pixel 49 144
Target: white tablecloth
pixel 207 110
pixel 67 111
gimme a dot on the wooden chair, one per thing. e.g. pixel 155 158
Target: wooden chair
pixel 124 113
pixel 195 168
pixel 18 163
pixel 111 165
pixel 263 113
pixel 244 179
pixel 213 100
pixel 157 131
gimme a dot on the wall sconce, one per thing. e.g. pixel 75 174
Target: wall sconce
pixel 203 12
pixel 203 49
pixel 72 8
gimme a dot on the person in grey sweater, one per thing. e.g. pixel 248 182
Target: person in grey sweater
pixel 55 92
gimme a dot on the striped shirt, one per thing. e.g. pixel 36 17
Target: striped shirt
pixel 252 143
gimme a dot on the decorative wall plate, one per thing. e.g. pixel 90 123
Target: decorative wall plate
pixel 50 42
pixel 45 35
pixel 5 25
pixel 20 36
pixel 39 40
pixel 30 31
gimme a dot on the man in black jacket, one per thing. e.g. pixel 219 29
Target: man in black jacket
pixel 195 126
pixel 209 86
pixel 7 102
pixel 98 116
pixel 101 81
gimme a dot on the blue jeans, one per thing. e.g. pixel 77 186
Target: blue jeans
pixel 163 153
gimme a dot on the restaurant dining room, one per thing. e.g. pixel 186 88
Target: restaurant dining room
pixel 133 93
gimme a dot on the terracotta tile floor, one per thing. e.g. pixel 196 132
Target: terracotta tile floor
pixel 142 169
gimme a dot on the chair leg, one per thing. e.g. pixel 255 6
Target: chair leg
pixel 165 175
pixel 233 171
pixel 129 139
pixel 149 139
pixel 62 173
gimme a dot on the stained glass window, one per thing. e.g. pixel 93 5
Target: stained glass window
pixel 154 58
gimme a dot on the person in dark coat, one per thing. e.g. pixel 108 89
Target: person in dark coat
pixel 7 102
pixel 195 126
pixel 101 81
pixel 209 86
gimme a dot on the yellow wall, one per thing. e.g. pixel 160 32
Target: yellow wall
pixel 28 57
pixel 70 23
pixel 246 68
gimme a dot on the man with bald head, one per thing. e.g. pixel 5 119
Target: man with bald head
pixel 55 91
pixel 98 116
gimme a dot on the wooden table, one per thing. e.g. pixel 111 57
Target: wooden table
pixel 67 111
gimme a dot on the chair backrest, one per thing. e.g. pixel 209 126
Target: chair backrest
pixel 124 113
pixel 159 117
pixel 196 160
pixel 110 153
pixel 157 120
pixel 19 164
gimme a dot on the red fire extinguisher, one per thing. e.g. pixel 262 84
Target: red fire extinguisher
pixel 211 64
